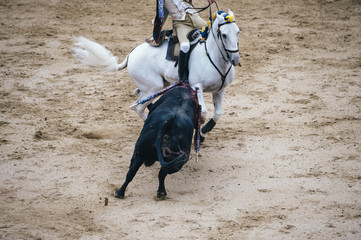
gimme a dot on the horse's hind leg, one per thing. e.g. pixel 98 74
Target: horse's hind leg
pixel 139 109
pixel 134 166
pixel 137 92
pixel 161 193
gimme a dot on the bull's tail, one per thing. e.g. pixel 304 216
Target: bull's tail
pixel 178 158
pixel 96 55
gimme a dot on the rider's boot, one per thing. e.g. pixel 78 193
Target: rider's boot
pixel 183 58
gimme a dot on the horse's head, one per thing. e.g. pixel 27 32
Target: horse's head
pixel 226 31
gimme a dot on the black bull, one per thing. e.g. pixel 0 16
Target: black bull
pixel 166 136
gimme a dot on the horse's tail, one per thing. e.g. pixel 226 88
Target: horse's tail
pixel 96 55
pixel 175 160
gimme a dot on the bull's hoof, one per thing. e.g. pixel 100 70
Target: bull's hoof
pixel 161 195
pixel 119 194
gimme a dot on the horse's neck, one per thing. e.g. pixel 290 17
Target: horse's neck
pixel 215 50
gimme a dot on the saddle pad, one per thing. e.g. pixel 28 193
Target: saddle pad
pixel 163 35
pixel 173 49
pixel 173 44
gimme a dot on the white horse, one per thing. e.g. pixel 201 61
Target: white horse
pixel 211 64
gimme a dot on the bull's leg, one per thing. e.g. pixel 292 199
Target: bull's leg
pixel 134 166
pixel 161 193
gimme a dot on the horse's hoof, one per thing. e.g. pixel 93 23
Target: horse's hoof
pixel 119 194
pixel 137 92
pixel 133 106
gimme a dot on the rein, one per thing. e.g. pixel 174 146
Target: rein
pixel 223 76
pixel 199 9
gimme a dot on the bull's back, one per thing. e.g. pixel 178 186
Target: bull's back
pixel 175 100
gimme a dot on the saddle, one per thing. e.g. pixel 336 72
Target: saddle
pixel 173 44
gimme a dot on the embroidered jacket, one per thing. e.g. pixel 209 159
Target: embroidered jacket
pixel 177 9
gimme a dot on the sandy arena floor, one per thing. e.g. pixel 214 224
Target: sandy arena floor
pixel 282 163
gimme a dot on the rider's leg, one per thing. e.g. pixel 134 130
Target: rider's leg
pixel 182 28
pixel 183 58
pixel 191 22
pixel 197 21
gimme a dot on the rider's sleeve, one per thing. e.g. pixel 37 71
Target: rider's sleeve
pixel 161 16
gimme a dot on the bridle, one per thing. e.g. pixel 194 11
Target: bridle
pixel 218 30
pixel 219 35
pixel 226 50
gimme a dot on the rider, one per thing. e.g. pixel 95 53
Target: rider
pixel 184 19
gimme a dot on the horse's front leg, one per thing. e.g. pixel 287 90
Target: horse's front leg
pixel 201 101
pixel 217 101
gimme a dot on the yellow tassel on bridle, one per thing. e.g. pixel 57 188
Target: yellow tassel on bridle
pixel 229 18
